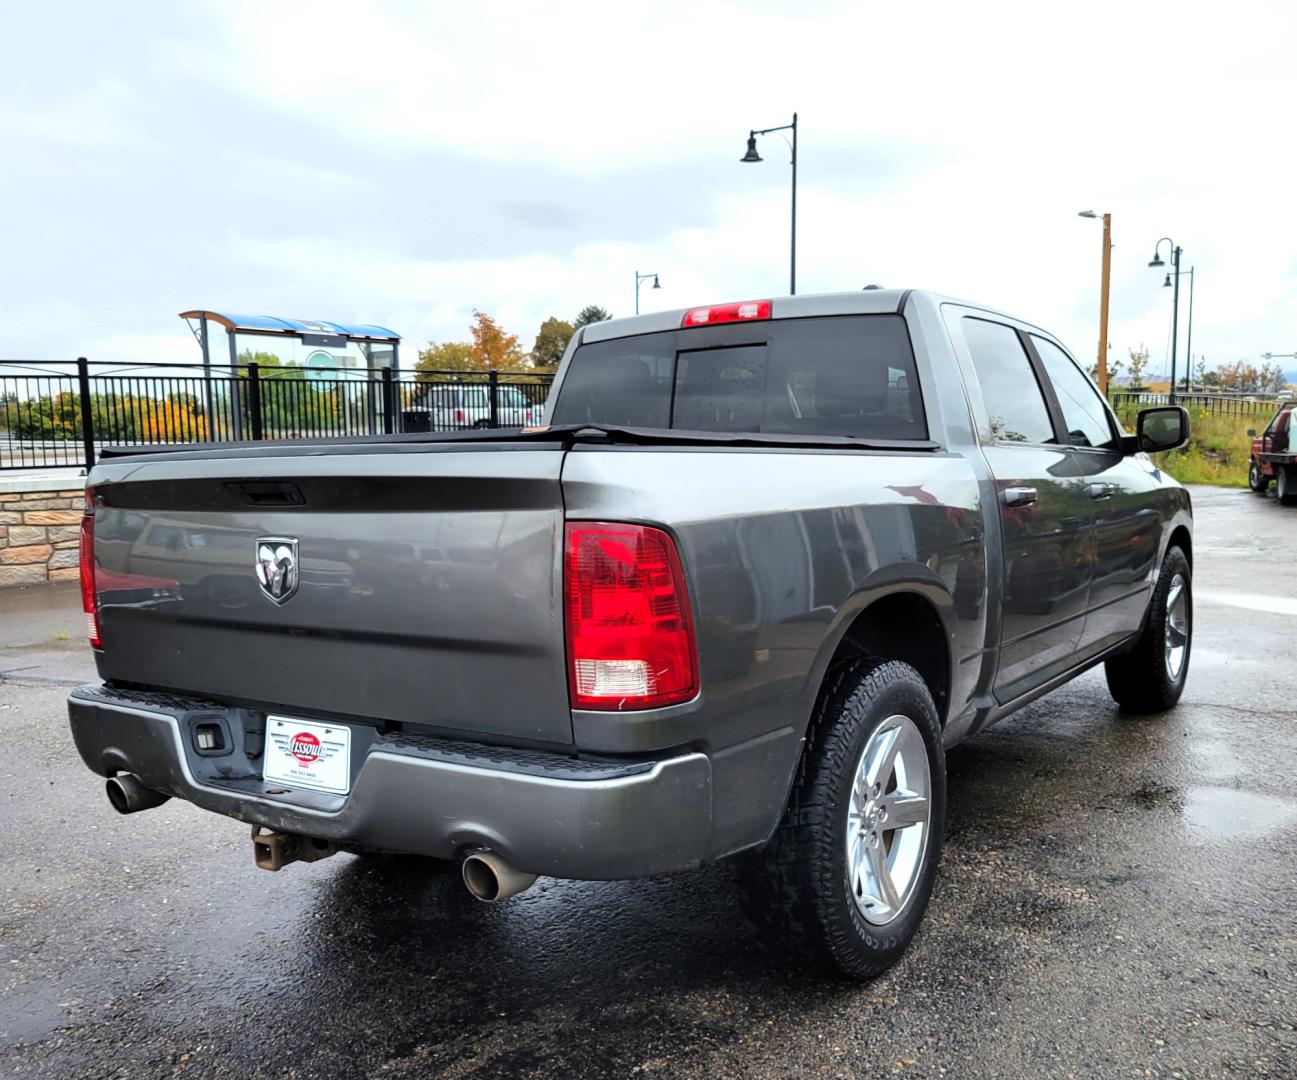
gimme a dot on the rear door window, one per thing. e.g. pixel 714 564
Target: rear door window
pixel 1014 402
pixel 847 375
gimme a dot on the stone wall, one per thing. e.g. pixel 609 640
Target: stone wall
pixel 40 536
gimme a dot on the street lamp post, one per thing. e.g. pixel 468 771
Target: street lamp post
pixel 1105 278
pixel 639 280
pixel 1188 337
pixel 752 156
pixel 1175 299
pixel 1266 356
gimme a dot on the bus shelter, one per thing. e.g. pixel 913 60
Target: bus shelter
pixel 328 351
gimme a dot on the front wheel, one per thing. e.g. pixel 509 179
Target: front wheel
pixel 1150 677
pixel 1285 486
pixel 1256 479
pixel 846 878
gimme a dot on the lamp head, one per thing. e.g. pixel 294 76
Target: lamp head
pixel 1087 213
pixel 1157 260
pixel 752 154
pixel 1167 283
pixel 656 285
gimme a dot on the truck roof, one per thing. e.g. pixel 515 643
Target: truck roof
pixel 869 301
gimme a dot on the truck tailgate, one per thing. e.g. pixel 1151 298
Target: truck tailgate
pixel 427 582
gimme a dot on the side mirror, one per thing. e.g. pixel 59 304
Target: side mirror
pixel 1161 429
pixel 1251 433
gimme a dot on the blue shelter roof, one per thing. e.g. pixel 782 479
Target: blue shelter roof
pixel 270 324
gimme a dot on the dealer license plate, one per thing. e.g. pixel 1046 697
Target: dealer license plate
pixel 306 755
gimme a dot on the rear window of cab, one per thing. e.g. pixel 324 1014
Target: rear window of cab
pixel 849 375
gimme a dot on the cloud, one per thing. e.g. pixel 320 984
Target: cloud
pixel 405 163
pixel 100 117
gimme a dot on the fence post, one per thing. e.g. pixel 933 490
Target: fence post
pixel 87 413
pixel 390 402
pixel 493 392
pixel 254 400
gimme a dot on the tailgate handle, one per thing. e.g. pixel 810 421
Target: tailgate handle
pixel 270 492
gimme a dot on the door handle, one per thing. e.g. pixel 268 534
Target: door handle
pixel 1019 496
pixel 1098 491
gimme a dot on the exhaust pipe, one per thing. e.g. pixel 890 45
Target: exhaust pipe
pixel 490 878
pixel 128 795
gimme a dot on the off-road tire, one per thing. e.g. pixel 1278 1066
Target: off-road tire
pixel 1286 486
pixel 1256 479
pixel 1138 680
pixel 795 889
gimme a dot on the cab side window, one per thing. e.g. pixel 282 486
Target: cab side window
pixel 1281 437
pixel 1012 396
pixel 1084 414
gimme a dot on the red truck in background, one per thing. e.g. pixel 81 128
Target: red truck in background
pixel 1274 457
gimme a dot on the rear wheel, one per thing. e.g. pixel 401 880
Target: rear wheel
pixel 846 878
pixel 1256 479
pixel 1285 486
pixel 1150 677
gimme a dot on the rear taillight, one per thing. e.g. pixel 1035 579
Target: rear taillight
pixel 630 640
pixel 459 416
pixel 722 313
pixel 89 604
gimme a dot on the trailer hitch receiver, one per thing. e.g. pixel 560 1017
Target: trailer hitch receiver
pixel 275 850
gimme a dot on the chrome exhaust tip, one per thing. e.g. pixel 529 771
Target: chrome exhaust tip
pixel 489 878
pixel 128 795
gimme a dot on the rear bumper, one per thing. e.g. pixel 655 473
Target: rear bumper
pixel 546 814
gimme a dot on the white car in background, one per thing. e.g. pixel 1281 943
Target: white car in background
pixel 470 407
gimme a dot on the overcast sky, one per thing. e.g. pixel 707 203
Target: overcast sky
pixel 405 163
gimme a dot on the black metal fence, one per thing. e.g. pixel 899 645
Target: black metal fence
pixel 56 414
pixel 1241 405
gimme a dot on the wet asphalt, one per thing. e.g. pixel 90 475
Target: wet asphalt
pixel 1117 898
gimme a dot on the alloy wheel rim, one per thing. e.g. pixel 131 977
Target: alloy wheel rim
pixel 889 817
pixel 1177 626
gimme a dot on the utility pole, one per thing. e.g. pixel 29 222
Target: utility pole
pixel 1103 304
pixel 1101 366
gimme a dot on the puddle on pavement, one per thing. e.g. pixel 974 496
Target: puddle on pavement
pixel 29 1013
pixel 1233 813
pixel 1216 759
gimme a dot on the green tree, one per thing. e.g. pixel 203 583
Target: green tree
pixel 263 359
pixel 445 356
pixel 551 342
pixel 591 313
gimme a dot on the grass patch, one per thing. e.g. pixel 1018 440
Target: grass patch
pixel 1217 452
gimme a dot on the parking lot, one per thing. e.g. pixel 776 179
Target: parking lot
pixel 1116 899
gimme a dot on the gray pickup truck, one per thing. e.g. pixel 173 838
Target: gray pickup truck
pixel 764 564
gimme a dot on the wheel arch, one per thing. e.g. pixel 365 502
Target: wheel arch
pixel 904 623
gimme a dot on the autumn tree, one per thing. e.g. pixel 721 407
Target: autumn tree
pixel 493 349
pixel 1272 380
pixel 551 342
pixel 591 313
pixel 1240 377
